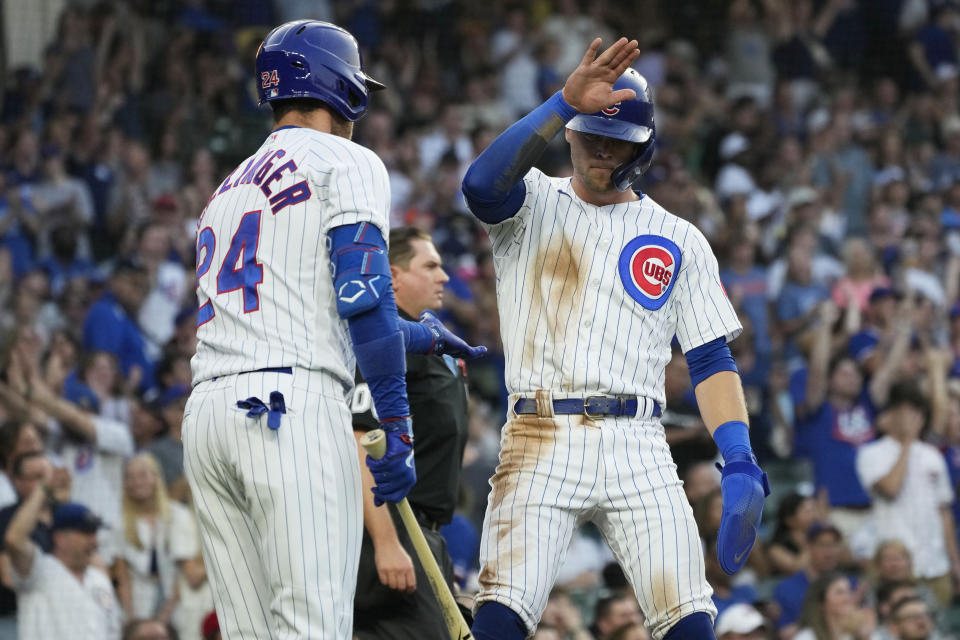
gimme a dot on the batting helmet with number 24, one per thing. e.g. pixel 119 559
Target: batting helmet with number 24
pixel 314 59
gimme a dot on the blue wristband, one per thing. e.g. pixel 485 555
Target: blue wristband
pixel 733 440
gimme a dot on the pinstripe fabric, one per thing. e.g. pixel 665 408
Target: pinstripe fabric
pixel 280 511
pixel 296 323
pixel 570 328
pixel 566 320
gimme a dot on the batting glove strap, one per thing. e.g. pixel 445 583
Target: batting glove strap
pixel 743 486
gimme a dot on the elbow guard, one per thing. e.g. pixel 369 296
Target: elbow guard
pixel 360 267
pixel 708 359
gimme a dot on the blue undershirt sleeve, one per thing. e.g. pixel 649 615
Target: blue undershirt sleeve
pixel 708 359
pixel 493 186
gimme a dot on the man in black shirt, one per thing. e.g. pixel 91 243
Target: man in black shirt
pixel 393 598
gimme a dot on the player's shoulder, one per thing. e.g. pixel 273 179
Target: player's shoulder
pixel 682 232
pixel 327 153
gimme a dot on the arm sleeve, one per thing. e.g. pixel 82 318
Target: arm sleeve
pixel 941 479
pixel 113 437
pixel 873 464
pixel 708 359
pixel 493 185
pixel 704 312
pixel 378 343
pixel 355 189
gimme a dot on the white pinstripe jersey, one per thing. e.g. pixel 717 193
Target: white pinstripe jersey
pixel 264 280
pixel 578 288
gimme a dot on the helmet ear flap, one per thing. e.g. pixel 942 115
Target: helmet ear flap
pixel 628 173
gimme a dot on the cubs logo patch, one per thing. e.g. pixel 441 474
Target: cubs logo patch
pixel 648 266
pixel 612 110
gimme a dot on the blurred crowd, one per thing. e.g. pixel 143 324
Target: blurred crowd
pixel 815 142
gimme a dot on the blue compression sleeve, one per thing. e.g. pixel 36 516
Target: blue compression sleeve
pixel 493 185
pixel 417 337
pixel 377 340
pixel 708 359
pixel 733 441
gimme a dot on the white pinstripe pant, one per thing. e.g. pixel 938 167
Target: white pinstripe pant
pixel 280 511
pixel 556 473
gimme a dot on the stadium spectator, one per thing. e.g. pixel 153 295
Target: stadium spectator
pixel 157 535
pixel 912 492
pixel 826 551
pixel 111 324
pixel 740 622
pixel 29 470
pixel 788 549
pixel 61 594
pixel 831 612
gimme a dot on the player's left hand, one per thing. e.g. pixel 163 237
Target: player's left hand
pixel 743 486
pixel 446 342
pixel 589 87
pixel 394 473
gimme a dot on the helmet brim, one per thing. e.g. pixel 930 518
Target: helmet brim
pixel 373 85
pixel 598 125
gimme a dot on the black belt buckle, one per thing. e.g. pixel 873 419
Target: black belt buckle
pixel 586 406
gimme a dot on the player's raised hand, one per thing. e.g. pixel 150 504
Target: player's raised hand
pixel 590 87
pixel 447 342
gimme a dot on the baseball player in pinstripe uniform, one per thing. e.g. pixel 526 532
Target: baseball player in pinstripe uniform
pixel 594 279
pixel 294 288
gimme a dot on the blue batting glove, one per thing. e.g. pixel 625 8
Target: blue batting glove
pixel 743 486
pixel 445 342
pixel 394 473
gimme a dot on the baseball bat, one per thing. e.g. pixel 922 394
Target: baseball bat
pixel 375 444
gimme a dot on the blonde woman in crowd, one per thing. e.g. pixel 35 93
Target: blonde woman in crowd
pixel 157 537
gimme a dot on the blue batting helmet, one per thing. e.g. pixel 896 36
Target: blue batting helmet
pixel 630 120
pixel 313 59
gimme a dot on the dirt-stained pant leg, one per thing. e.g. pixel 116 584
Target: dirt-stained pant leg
pixel 545 479
pixel 649 525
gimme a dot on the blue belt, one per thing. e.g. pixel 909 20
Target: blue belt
pixel 287 370
pixel 591 406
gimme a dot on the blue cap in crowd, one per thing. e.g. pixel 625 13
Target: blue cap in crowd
pixel 879 293
pixel 172 394
pixel 71 516
pixel 80 394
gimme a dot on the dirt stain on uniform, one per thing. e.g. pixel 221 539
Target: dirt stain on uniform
pixel 528 439
pixel 556 286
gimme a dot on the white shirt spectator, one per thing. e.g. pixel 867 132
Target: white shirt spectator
pixel 7 494
pixel 97 471
pixel 913 517
pixel 173 540
pixel 53 605
pixel 519 80
pixel 159 311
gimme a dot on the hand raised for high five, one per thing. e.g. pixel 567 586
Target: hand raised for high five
pixel 590 87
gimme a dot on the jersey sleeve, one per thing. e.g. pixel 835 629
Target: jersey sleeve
pixel 506 237
pixel 704 312
pixel 113 437
pixel 873 462
pixel 356 188
pixel 941 478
